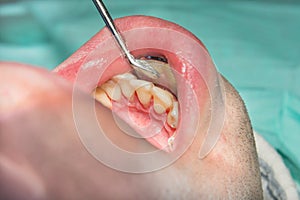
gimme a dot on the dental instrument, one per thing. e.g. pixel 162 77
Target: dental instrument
pixel 157 74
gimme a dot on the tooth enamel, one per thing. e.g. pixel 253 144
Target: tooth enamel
pixel 144 94
pixel 172 118
pixel 171 142
pixel 123 81
pixel 112 89
pixel 101 96
pixel 159 109
pixel 126 76
pixel 162 100
pixel 126 88
pixel 138 83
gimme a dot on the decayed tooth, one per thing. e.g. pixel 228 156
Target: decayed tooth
pixel 101 96
pixel 143 90
pixel 144 94
pixel 112 89
pixel 162 100
pixel 172 118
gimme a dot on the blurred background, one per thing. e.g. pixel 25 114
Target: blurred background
pixel 254 44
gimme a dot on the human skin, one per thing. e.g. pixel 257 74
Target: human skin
pixel 42 156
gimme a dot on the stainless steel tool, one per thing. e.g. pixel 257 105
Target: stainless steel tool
pixel 160 74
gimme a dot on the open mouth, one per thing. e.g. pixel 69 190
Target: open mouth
pixel 168 121
pixel 150 109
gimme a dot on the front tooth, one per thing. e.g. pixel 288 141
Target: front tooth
pixel 101 96
pixel 143 90
pixel 112 89
pixel 138 83
pixel 123 82
pixel 126 88
pixel 172 118
pixel 162 100
pixel 144 94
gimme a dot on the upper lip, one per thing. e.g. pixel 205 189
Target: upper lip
pixel 70 66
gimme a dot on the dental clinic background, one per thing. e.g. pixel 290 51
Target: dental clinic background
pixel 254 44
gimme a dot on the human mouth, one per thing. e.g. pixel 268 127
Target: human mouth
pixel 154 112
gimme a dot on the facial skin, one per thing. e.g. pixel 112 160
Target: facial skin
pixel 42 157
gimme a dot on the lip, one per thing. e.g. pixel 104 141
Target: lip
pixel 70 66
pixel 187 75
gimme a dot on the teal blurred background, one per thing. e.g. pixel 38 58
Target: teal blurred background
pixel 255 44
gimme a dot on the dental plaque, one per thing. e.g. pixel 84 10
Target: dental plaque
pixel 149 108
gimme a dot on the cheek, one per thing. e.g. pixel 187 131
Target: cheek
pixel 228 154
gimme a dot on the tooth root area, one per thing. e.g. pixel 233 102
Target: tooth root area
pixel 172 118
pixel 112 89
pixel 101 96
pixel 163 100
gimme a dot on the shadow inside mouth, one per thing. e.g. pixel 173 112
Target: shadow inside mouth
pixel 160 58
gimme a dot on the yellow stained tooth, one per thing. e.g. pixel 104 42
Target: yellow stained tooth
pixel 172 118
pixel 112 89
pixel 123 81
pixel 159 109
pixel 127 89
pixel 101 96
pixel 162 99
pixel 144 94
pixel 143 90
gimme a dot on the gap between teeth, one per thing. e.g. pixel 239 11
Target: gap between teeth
pixel 128 85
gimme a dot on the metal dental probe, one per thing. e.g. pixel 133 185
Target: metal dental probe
pixel 137 63
pixel 156 72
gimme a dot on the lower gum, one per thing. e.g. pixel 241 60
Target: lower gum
pixel 144 120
